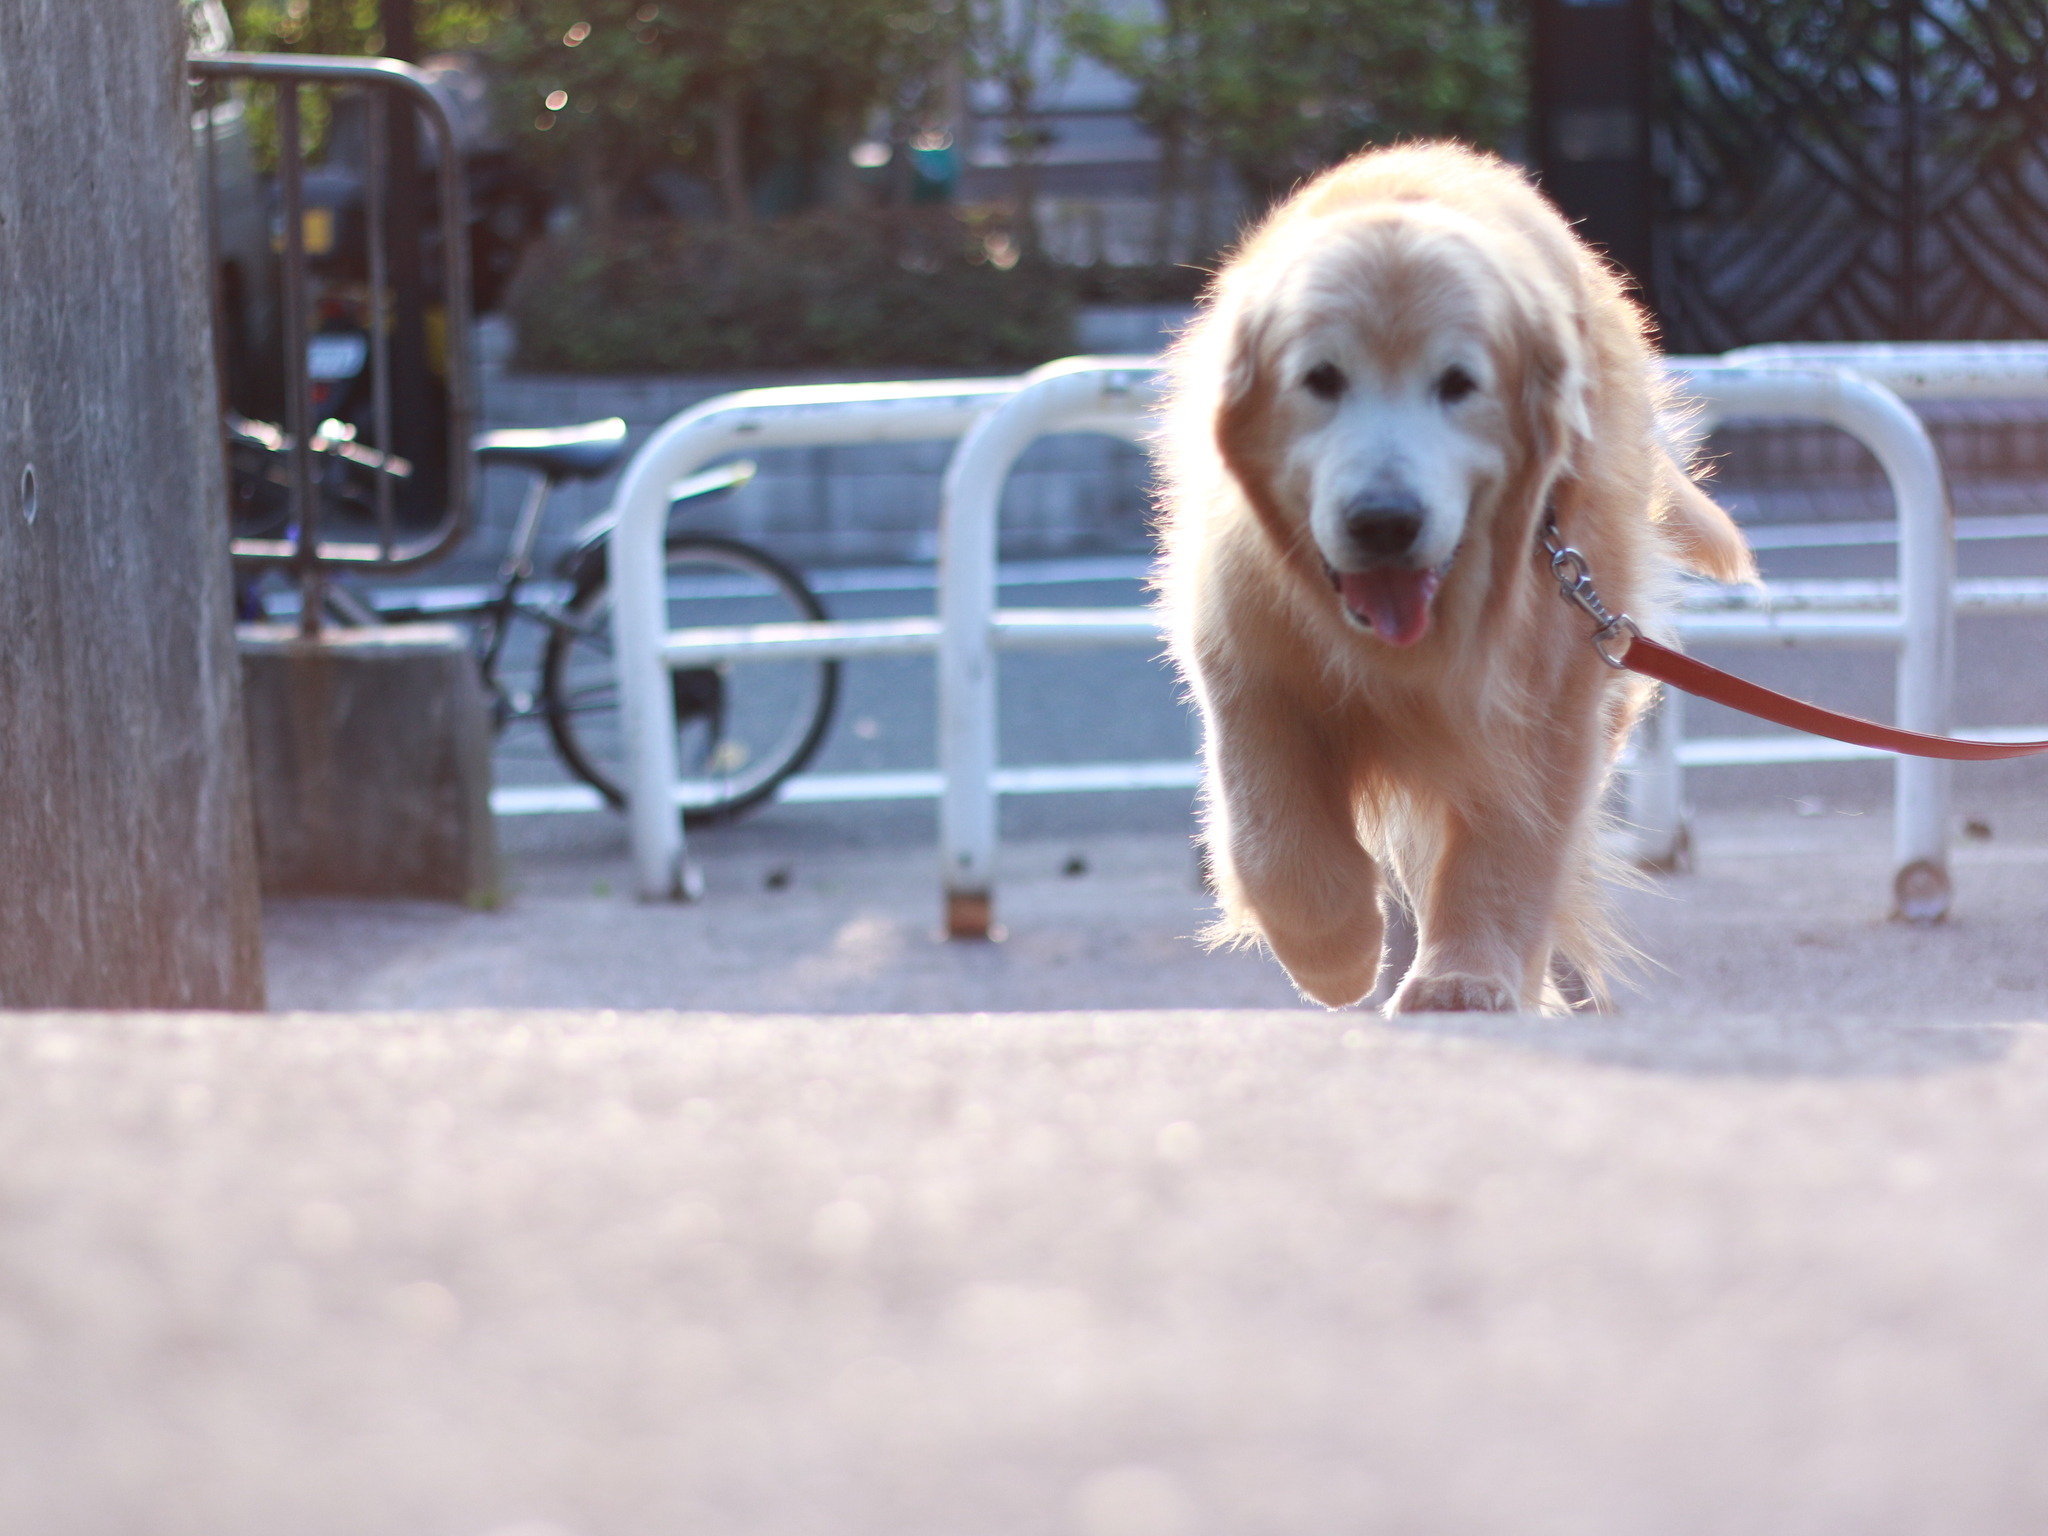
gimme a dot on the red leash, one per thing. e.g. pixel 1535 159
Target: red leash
pixel 1622 645
pixel 1704 682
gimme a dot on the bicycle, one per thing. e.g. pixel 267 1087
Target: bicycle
pixel 741 729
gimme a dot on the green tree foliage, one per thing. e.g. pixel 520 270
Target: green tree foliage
pixel 1007 42
pixel 752 106
pixel 1278 89
pixel 350 26
pixel 762 97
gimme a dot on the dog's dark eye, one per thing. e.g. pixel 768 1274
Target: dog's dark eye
pixel 1454 385
pixel 1325 381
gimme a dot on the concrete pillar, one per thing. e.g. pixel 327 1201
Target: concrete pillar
pixel 127 854
pixel 371 755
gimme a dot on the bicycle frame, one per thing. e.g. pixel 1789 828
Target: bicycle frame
pixel 503 607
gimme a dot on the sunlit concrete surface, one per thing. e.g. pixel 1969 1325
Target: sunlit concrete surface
pixel 863 1238
pixel 1785 907
pixel 1107 1274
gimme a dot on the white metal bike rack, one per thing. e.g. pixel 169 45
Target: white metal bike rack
pixel 794 417
pixel 1918 370
pixel 1919 624
pixel 838 415
pixel 1113 395
pixel 1001 418
pixel 1110 395
pixel 1904 613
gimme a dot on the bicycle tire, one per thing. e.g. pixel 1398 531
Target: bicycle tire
pixel 732 758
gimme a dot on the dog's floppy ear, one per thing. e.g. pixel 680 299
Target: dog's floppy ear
pixel 1244 418
pixel 1554 385
pixel 1244 398
pixel 1242 370
pixel 1708 539
pixel 1546 324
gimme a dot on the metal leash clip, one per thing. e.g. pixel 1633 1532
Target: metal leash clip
pixel 1575 583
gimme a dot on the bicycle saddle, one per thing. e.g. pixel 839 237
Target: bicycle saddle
pixel 560 453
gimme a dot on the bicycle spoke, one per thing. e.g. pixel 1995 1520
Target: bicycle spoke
pixel 740 729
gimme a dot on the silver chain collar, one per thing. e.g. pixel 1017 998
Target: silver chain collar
pixel 1575 584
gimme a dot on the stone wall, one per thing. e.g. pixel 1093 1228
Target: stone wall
pixel 125 829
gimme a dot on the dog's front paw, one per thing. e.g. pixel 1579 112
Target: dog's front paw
pixel 1453 994
pixel 1336 988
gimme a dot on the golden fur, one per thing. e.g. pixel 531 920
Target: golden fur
pixel 1466 765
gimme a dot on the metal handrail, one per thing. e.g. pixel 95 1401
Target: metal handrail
pixel 307 553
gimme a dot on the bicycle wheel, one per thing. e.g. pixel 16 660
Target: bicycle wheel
pixel 741 728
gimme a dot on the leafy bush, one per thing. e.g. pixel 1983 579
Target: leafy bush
pixel 1279 89
pixel 759 99
pixel 843 288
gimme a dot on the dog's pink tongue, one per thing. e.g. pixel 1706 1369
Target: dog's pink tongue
pixel 1394 602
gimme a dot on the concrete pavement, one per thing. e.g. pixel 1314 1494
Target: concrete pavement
pixel 819 910
pixel 901 1250
pixel 1080 1274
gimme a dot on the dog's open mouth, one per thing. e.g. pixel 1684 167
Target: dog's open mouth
pixel 1392 601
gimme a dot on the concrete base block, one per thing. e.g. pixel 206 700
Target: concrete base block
pixel 371 758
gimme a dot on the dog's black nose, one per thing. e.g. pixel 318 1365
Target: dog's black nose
pixel 1383 525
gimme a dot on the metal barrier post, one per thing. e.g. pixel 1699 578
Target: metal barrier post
pixel 752 419
pixel 1082 394
pixel 298 404
pixel 1940 370
pixel 1656 786
pixel 1881 421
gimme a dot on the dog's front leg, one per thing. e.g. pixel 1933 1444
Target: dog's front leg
pixel 1283 845
pixel 1486 916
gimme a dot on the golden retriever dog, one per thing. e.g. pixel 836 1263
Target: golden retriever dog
pixel 1395 378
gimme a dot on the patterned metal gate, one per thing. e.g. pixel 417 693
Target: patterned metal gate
pixel 1852 170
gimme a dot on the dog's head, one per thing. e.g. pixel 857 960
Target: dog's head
pixel 1389 374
